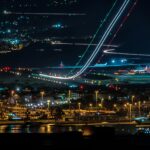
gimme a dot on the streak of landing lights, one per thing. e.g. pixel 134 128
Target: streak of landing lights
pixel 5 12
pixel 95 35
pixel 82 44
pixel 123 22
pixel 98 47
pixel 119 28
pixel 80 80
pixel 111 51
pixel 53 81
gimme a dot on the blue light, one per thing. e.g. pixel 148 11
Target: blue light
pixel 123 60
pixel 113 61
pixel 57 26
pixel 14 41
pixel 73 86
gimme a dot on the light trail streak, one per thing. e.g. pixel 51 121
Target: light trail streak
pixel 123 22
pixel 5 52
pixel 98 47
pixel 101 25
pixel 82 44
pixel 46 14
pixel 111 51
pixel 120 26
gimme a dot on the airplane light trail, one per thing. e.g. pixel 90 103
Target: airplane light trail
pixel 123 22
pixel 98 47
pixel 120 26
pixel 95 35
pixel 82 44
pixel 111 51
pixel 47 14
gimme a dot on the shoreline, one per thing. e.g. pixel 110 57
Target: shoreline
pixel 40 122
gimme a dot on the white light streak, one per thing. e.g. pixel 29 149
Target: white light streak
pixel 46 14
pixel 111 51
pixel 80 44
pixel 98 47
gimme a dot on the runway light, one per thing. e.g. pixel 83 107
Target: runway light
pixel 57 26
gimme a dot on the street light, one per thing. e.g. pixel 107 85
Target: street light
pixel 102 100
pixel 109 97
pixel 125 105
pixel 91 105
pixel 115 106
pixel 79 106
pixel 139 107
pixel 12 93
pixel 48 103
pixel 96 97
pixel 16 97
pixel 100 105
pixel 69 96
pixel 42 94
pixel 130 111
pixel 132 98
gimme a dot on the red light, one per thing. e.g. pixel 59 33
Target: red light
pixel 81 87
pixel 7 68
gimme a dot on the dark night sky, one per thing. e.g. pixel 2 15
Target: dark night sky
pixel 133 37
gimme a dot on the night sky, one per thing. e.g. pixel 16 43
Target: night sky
pixel 32 30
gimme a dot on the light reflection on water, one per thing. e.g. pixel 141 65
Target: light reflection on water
pixel 10 129
pixel 45 128
pixel 48 128
pixel 144 130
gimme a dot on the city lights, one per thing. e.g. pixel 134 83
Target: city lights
pixel 76 73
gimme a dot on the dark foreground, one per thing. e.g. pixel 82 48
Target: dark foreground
pixel 100 137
